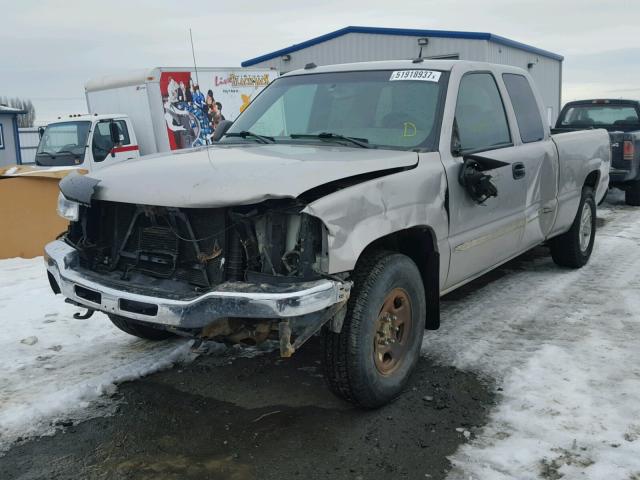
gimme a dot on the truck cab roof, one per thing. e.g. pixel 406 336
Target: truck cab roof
pixel 604 101
pixel 88 117
pixel 417 64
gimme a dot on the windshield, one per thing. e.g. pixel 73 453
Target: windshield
pixel 599 115
pixel 387 109
pixel 63 144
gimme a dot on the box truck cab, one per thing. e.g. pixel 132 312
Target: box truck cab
pixel 87 141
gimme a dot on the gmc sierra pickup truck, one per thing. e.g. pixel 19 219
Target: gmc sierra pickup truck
pixel 621 118
pixel 344 202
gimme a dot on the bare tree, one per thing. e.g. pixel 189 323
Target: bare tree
pixel 27 119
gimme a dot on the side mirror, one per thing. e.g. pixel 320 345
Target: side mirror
pixel 40 131
pixel 221 129
pixel 114 133
pixel 477 183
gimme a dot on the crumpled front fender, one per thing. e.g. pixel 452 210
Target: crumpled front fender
pixel 358 215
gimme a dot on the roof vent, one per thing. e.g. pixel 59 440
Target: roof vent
pixel 310 66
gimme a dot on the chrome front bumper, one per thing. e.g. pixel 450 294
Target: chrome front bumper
pixel 228 300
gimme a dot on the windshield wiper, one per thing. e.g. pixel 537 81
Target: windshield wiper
pixel 77 155
pixel 246 134
pixel 360 142
pixel 53 155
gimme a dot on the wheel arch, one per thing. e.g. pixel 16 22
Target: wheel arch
pixel 592 179
pixel 419 243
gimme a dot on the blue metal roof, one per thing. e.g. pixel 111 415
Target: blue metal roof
pixel 406 32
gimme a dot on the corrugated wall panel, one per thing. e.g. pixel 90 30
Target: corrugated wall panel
pixel 358 47
pixel 361 47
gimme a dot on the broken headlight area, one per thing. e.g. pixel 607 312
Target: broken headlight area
pixel 182 251
pixel 68 209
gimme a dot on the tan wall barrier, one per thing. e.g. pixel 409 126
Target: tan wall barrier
pixel 28 218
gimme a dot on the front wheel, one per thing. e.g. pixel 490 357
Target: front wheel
pixel 370 361
pixel 573 249
pixel 138 329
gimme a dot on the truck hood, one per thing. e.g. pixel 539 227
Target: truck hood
pixel 229 175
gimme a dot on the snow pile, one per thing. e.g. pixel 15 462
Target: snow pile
pixel 564 346
pixel 52 366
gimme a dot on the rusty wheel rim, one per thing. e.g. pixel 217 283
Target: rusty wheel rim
pixel 392 332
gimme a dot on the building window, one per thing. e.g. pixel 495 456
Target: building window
pixel 1 138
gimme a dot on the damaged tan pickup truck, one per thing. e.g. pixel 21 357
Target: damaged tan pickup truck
pixel 343 202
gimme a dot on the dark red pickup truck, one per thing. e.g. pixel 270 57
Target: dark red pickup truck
pixel 622 119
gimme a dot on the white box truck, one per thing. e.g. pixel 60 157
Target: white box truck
pixel 173 108
pixel 158 110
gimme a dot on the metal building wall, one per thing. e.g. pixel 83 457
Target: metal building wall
pixel 362 47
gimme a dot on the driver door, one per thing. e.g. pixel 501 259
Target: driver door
pixel 482 235
pixel 102 148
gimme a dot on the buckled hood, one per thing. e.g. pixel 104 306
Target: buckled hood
pixel 228 175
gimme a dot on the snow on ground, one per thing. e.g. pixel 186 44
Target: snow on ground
pixel 54 367
pixel 563 347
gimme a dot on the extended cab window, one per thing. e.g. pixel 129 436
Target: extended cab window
pixel 480 119
pixel 102 144
pixel 525 106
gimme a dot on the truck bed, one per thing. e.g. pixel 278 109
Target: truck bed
pixel 575 150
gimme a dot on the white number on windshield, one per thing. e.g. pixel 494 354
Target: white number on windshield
pixel 422 75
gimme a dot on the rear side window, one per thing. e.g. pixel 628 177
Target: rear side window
pixel 480 121
pixel 526 108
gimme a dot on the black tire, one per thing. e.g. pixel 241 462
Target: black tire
pixel 351 360
pixel 632 194
pixel 138 329
pixel 567 250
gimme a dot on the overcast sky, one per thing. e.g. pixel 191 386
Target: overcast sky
pixel 51 48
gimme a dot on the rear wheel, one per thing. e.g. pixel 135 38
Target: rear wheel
pixel 573 249
pixel 632 194
pixel 138 329
pixel 370 361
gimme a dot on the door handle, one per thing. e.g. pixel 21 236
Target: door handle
pixel 518 170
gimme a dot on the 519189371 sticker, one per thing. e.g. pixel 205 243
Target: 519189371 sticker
pixel 422 75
